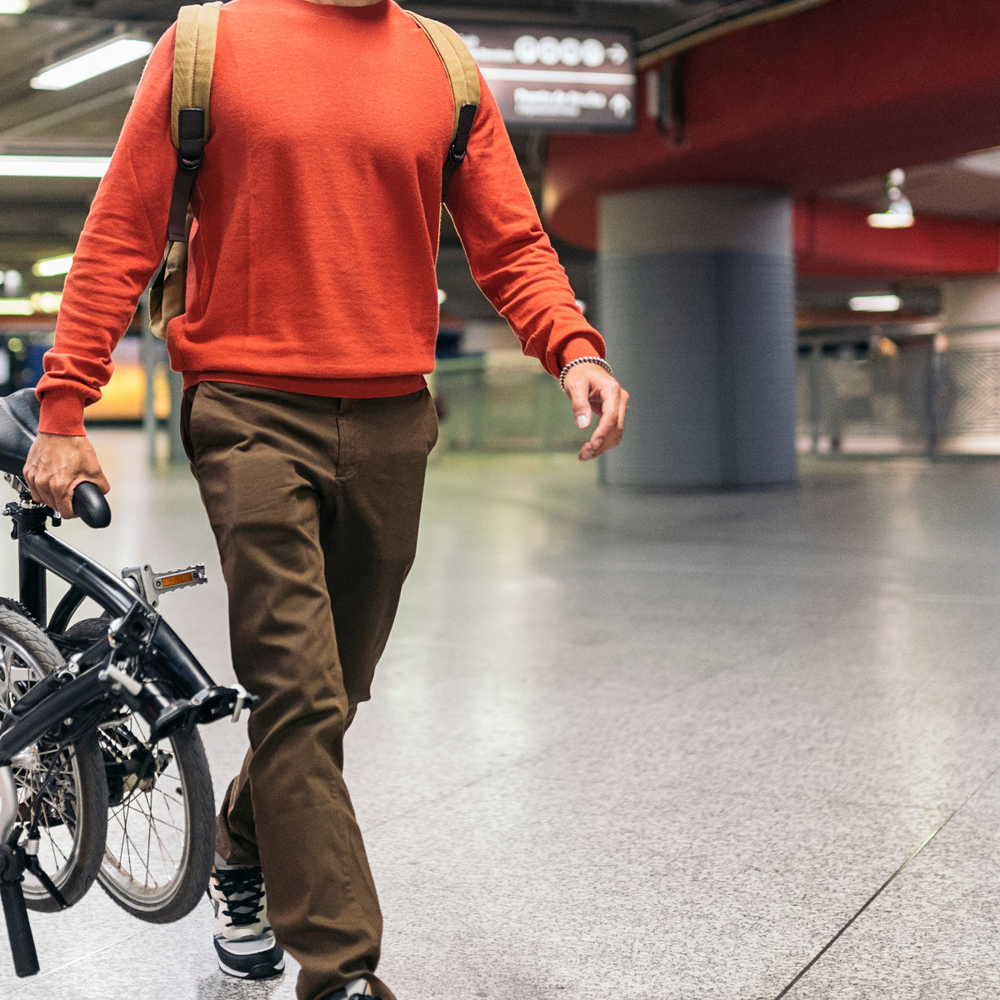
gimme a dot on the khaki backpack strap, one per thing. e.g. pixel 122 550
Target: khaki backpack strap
pixel 463 76
pixel 194 59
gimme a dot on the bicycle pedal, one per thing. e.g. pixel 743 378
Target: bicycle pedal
pixel 178 579
pixel 151 585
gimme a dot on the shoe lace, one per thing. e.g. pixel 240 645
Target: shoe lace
pixel 244 892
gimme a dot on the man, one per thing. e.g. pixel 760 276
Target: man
pixel 311 320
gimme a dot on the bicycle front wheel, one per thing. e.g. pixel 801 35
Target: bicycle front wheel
pixel 161 825
pixel 60 790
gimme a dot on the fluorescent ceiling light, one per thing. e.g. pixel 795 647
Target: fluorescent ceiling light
pixel 54 166
pixel 875 303
pixel 16 307
pixel 92 63
pixel 52 266
pixel 13 6
pixel 46 302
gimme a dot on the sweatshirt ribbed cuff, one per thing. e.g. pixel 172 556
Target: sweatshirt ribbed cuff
pixel 62 413
pixel 578 347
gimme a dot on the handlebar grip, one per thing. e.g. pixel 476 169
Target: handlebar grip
pixel 22 944
pixel 90 506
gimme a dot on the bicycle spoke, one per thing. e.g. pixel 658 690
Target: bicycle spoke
pixel 167 863
pixel 130 843
pixel 121 849
pixel 149 839
pixel 126 840
pixel 156 808
pixel 170 811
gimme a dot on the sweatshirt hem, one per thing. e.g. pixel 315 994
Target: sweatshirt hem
pixel 347 388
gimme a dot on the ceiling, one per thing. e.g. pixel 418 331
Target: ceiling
pixel 43 217
pixel 968 186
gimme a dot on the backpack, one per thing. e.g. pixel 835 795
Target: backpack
pixel 194 58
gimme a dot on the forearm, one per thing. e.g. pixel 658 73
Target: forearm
pixel 118 251
pixel 530 290
pixel 99 301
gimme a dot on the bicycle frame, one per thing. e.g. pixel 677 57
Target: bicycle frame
pixel 39 552
pixel 170 689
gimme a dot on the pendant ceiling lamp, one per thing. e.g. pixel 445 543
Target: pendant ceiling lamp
pixel 898 213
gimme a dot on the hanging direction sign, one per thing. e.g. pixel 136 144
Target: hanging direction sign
pixel 549 78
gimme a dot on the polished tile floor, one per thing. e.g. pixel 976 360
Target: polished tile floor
pixel 700 746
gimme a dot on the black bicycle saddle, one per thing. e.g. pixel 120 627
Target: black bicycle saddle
pixel 18 429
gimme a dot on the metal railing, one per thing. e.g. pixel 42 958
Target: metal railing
pixel 927 389
pixel 502 402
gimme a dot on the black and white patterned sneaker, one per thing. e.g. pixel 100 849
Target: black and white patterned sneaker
pixel 244 944
pixel 357 990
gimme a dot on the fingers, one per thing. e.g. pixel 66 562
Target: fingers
pixel 37 478
pixel 591 390
pixel 612 405
pixel 52 493
pixel 56 465
pixel 579 394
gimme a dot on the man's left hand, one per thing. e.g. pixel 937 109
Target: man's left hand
pixel 592 390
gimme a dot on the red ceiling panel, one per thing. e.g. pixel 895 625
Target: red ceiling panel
pixel 844 91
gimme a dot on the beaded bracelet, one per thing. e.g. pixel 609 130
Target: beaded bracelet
pixel 579 361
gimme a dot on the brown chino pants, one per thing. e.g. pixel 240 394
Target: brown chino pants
pixel 315 504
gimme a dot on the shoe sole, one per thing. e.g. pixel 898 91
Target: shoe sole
pixel 265 971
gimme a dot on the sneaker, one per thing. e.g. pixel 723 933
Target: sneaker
pixel 244 944
pixel 353 991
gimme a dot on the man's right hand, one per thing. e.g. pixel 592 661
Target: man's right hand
pixel 56 465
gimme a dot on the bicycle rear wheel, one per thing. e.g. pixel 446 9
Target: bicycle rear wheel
pixel 161 825
pixel 63 789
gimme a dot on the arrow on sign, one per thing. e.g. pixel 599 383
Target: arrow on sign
pixel 620 105
pixel 618 53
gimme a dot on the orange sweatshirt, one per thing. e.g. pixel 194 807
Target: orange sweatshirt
pixel 312 262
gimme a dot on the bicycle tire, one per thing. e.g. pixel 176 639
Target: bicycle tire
pixel 168 889
pixel 74 804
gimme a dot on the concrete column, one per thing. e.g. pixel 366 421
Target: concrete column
pixel 696 299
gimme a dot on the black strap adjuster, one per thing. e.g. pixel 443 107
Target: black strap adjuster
pixel 191 138
pixel 456 154
pixel 191 142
